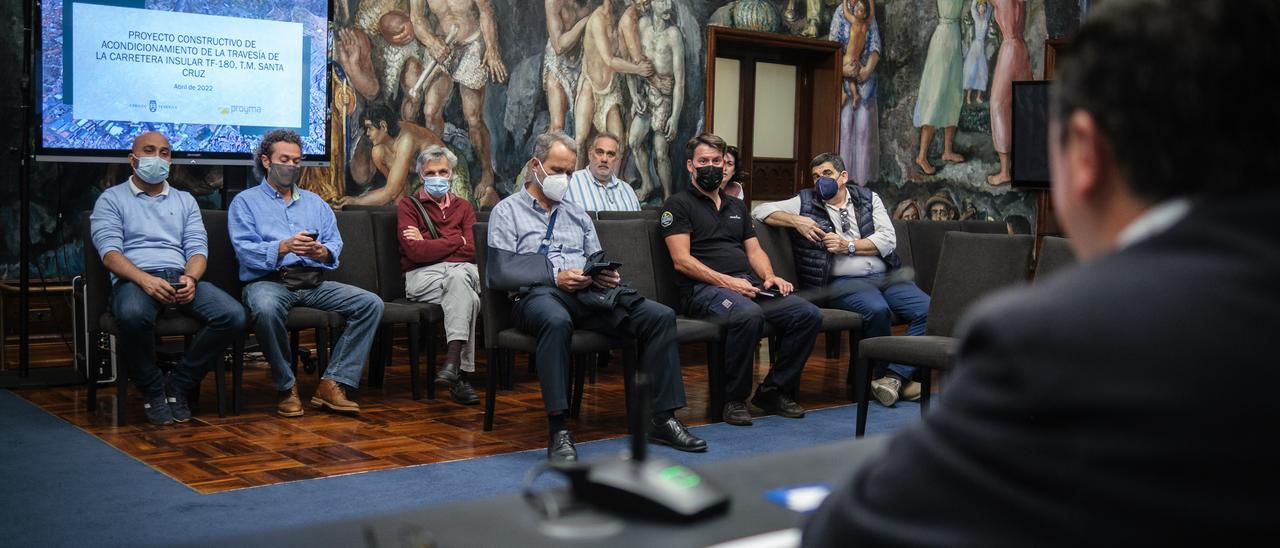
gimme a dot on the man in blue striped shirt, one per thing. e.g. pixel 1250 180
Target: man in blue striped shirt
pixel 596 188
pixel 152 239
pixel 286 238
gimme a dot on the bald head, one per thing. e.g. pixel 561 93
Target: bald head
pixel 151 143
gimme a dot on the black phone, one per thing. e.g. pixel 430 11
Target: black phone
pixel 596 268
pixel 178 285
pixel 766 293
pixel 312 235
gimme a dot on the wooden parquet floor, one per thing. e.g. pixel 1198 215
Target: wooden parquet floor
pixel 212 454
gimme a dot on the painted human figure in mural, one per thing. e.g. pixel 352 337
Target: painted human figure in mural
pixel 396 144
pixel 941 87
pixel 812 13
pixel 976 71
pixel 859 16
pixel 941 207
pixel 600 98
pixel 562 58
pixel 661 94
pixel 1012 63
pixel 859 123
pixel 463 48
pixel 907 210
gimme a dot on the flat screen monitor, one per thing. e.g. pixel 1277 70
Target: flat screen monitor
pixel 1029 151
pixel 212 75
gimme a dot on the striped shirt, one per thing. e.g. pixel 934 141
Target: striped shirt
pixel 585 191
pixel 518 224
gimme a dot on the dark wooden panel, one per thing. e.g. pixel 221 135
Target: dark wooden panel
pixel 773 178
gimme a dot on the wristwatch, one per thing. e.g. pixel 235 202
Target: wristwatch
pixel 852 247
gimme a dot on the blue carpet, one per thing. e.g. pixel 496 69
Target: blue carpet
pixel 63 486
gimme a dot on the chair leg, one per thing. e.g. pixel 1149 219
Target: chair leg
pixel 429 336
pixel 91 369
pixel 851 377
pixel 491 387
pixel 322 350
pixel 629 365
pixel 294 346
pixel 379 356
pixel 413 361
pixel 715 380
pixel 237 375
pixel 582 363
pixel 122 393
pixel 220 386
pixel 863 394
pixel 509 369
pixel 833 344
pixel 926 386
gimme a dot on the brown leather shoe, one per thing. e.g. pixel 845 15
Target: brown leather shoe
pixel 333 395
pixel 290 404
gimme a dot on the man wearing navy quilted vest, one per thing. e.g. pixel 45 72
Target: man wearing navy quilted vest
pixel 844 246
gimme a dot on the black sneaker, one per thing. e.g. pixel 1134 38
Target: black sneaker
pixel 157 410
pixel 462 393
pixel 177 400
pixel 735 413
pixel 774 402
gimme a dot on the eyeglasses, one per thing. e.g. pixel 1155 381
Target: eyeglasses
pixel 845 222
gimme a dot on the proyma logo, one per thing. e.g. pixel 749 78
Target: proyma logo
pixel 152 105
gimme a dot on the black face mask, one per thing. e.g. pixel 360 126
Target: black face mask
pixel 284 175
pixel 708 178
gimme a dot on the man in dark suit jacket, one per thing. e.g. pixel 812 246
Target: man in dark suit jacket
pixel 1125 400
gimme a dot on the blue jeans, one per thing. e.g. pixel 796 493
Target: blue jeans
pixel 269 303
pixel 796 321
pixel 874 298
pixel 136 312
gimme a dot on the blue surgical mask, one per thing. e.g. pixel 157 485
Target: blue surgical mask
pixel 152 169
pixel 827 187
pixel 435 186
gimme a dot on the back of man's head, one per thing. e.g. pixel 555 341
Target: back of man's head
pixel 1177 88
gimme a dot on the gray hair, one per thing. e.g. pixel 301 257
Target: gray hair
pixel 434 153
pixel 542 145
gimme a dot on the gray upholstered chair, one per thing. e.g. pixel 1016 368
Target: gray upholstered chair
pixel 971 265
pixel 99 319
pixel 358 266
pixel 1055 255
pixel 777 245
pixel 386 243
pixel 502 340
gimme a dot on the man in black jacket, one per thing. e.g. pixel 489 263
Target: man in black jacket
pixel 1104 405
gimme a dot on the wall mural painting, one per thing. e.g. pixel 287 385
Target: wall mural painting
pixel 484 77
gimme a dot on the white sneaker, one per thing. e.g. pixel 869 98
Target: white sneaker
pixel 885 389
pixel 910 391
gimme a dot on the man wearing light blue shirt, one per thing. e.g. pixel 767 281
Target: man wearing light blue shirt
pixel 286 238
pixel 595 187
pixel 152 239
pixel 539 220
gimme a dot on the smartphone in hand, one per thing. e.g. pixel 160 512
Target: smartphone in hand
pixel 312 235
pixel 178 285
pixel 596 268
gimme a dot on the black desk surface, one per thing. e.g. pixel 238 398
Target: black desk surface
pixel 510 520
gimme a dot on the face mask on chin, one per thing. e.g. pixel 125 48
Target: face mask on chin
pixel 284 175
pixel 555 186
pixel 708 178
pixel 152 170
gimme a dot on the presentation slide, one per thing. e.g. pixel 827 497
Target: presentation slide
pixel 212 75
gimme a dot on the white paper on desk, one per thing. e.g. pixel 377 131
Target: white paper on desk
pixel 801 498
pixel 785 538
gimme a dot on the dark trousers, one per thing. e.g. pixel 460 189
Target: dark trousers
pixel 551 315
pixel 136 312
pixel 796 321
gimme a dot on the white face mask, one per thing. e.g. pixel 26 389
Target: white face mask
pixel 554 187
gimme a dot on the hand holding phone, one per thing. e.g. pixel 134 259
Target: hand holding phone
pixel 177 285
pixel 596 268
pixel 765 293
